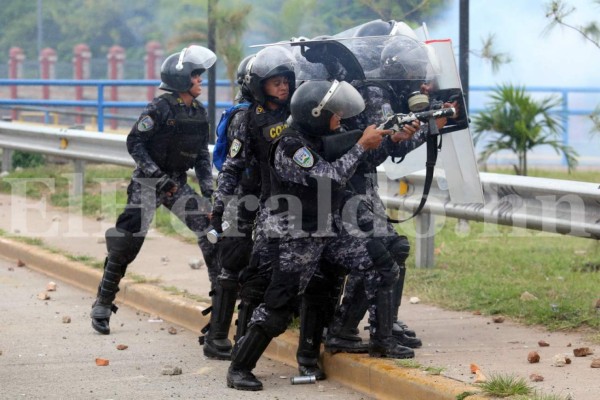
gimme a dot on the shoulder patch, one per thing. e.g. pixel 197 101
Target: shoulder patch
pixel 145 124
pixel 260 109
pixel 304 158
pixel 235 148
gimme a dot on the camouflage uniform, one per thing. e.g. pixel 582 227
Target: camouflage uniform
pixel 371 220
pixel 245 172
pixel 185 203
pixel 167 140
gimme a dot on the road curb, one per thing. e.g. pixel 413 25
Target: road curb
pixel 380 378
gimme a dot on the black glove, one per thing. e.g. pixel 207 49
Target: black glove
pixel 165 184
pixel 216 221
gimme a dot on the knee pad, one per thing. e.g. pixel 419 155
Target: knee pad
pixel 234 253
pixel 383 262
pixel 254 289
pixel 122 246
pixel 276 323
pixel 399 248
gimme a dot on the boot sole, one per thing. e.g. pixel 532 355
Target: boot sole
pixel 399 357
pixel 246 388
pixel 352 351
pixel 99 329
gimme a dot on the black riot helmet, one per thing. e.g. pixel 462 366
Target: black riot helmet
pixel 269 62
pixel 406 65
pixel 176 71
pixel 315 102
pixel 244 93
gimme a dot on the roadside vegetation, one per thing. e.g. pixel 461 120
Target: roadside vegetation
pixel 528 276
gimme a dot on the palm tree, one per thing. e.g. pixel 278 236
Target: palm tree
pixel 519 123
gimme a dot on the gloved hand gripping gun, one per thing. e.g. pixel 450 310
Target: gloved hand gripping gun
pixel 397 121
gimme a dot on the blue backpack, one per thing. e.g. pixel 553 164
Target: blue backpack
pixel 222 144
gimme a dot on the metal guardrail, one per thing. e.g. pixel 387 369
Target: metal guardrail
pixel 541 204
pixel 548 205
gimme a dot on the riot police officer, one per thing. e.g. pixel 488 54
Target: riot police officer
pixel 233 251
pixel 170 137
pixel 400 85
pixel 306 220
pixel 270 80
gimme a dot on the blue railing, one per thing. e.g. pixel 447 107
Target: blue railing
pixel 100 104
pixel 477 102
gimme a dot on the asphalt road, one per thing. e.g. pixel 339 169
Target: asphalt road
pixel 44 357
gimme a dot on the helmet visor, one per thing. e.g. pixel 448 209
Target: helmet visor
pixel 271 61
pixel 341 99
pixel 200 57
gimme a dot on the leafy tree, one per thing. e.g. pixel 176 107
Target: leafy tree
pixel 231 23
pixel 519 123
pixel 558 12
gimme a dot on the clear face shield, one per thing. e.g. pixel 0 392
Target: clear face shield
pixel 342 99
pixel 269 60
pixel 200 57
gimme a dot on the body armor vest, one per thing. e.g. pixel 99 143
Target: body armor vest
pixel 265 128
pixel 175 147
pixel 314 204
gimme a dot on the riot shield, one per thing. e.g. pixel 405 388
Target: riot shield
pixel 457 156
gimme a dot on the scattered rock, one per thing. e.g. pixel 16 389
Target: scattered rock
pixel 164 260
pixel 414 300
pixel 526 296
pixel 474 368
pixel 20 263
pixel 66 319
pixel 582 352
pixel 172 330
pixel 476 312
pixel 595 362
pixel 11 269
pixel 43 296
pixel 170 370
pixel 56 218
pixel 598 304
pixel 559 360
pixel 543 343
pixel 533 357
pixel 1 354
pixel 195 263
pixel 100 218
pixel 101 362
pixel 122 347
pixel 51 286
pixel 479 377
pixel 498 320
pixel 536 378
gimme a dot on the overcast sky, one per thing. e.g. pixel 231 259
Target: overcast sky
pixel 559 58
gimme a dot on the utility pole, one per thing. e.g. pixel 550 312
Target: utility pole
pixel 40 27
pixel 212 72
pixel 463 48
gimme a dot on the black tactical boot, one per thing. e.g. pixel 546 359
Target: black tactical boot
pixel 216 344
pixel 103 305
pixel 400 329
pixel 383 343
pixel 311 333
pixel 245 355
pixel 343 334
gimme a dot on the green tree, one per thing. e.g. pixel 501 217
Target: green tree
pixel 517 122
pixel 231 24
pixel 558 12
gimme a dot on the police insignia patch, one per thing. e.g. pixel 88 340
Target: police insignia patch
pixel 145 124
pixel 236 145
pixel 304 158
